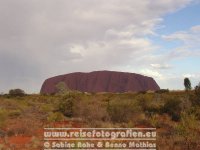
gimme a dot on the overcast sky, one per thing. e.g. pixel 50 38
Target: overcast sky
pixel 43 38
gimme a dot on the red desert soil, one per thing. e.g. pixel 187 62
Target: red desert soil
pixel 19 140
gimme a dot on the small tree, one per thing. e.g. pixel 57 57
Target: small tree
pixel 197 94
pixel 197 90
pixel 187 84
pixel 66 106
pixel 16 92
pixel 173 108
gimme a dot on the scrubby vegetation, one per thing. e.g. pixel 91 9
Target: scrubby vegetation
pixel 162 91
pixel 16 92
pixel 172 108
pixel 176 115
pixel 65 106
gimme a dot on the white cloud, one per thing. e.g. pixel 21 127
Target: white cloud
pixel 190 42
pixel 160 66
pixel 192 75
pixel 151 73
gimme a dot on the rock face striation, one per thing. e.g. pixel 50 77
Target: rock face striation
pixel 101 81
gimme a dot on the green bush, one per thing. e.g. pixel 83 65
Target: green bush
pixel 66 105
pixel 196 99
pixel 197 90
pixel 46 108
pixel 53 117
pixel 154 121
pixel 151 110
pixel 15 113
pixel 142 92
pixel 188 128
pixel 122 110
pixel 91 110
pixel 148 105
pixel 162 91
pixel 173 108
pixel 16 92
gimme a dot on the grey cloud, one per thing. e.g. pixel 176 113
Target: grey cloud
pixel 40 39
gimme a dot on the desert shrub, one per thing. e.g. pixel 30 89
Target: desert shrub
pixel 92 110
pixel 152 110
pixel 46 108
pixel 3 117
pixel 142 92
pixel 14 113
pixel 148 106
pixel 144 100
pixel 122 110
pixel 154 121
pixel 197 90
pixel 143 103
pixel 53 117
pixel 195 110
pixel 195 98
pixel 162 91
pixel 2 146
pixel 66 105
pixel 35 142
pixel 16 92
pixel 173 108
pixel 188 129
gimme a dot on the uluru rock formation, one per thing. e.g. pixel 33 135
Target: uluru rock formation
pixel 101 81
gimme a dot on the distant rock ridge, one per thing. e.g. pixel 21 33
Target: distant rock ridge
pixel 101 81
